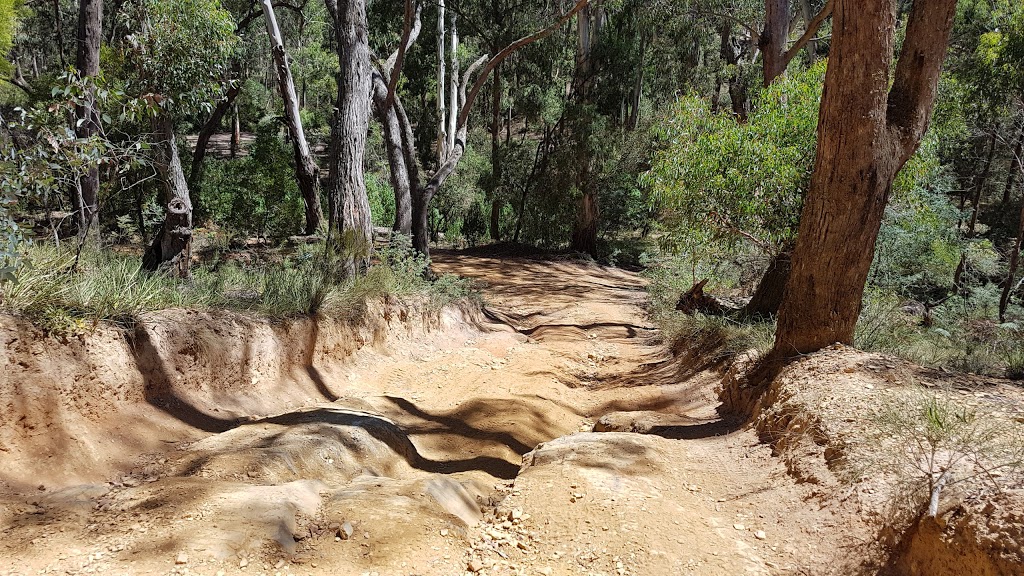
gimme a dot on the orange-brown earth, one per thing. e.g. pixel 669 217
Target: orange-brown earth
pixel 411 442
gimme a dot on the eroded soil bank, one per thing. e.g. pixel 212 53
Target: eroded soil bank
pixel 409 443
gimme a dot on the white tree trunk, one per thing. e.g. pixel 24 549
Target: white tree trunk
pixel 307 173
pixel 453 89
pixel 442 86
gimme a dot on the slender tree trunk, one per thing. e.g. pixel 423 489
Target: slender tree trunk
pixel 496 115
pixel 1011 275
pixel 171 250
pixel 453 86
pixel 812 44
pixel 87 60
pixel 638 90
pixel 58 28
pixel 442 85
pixel 1011 178
pixel 394 146
pixel 979 184
pixel 236 131
pixel 195 177
pixel 866 133
pixel 348 135
pixel 307 173
pixel 737 87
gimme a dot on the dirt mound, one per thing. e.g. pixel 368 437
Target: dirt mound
pixel 81 408
pixel 869 428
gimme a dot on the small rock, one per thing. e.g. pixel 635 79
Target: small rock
pixel 444 532
pixel 345 530
pixel 517 514
pixel 739 526
pixel 546 571
pixel 243 563
pixel 475 565
pixel 760 535
pixel 181 559
pixel 280 564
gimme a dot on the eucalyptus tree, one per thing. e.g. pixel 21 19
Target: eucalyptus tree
pixel 866 133
pixel 424 189
pixel 307 172
pixel 87 120
pixel 179 50
pixel 350 214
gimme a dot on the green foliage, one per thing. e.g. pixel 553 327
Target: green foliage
pixel 8 26
pixel 178 52
pixel 919 246
pixel 930 442
pixel 382 200
pixel 49 156
pixel 257 194
pixel 719 181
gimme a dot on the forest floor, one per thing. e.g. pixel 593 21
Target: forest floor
pixel 464 451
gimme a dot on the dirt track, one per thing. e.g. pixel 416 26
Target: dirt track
pixel 416 467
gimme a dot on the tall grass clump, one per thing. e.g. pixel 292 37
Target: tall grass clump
pixel 63 297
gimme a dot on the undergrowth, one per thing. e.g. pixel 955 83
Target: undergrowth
pixel 718 336
pixel 110 287
pixel 931 443
pixel 959 335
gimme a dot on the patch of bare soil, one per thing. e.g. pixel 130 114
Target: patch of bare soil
pixel 408 443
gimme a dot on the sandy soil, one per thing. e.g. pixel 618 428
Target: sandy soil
pixel 466 449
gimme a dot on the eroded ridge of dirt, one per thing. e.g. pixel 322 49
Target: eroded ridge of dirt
pixel 822 416
pixel 217 445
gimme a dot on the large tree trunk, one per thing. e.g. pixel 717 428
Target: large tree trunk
pixel 777 53
pixel 774 39
pixel 350 205
pixel 87 60
pixel 307 173
pixel 171 250
pixel 866 133
pixel 195 177
pixel 584 233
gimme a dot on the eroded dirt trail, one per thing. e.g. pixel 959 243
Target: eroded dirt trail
pixel 418 466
